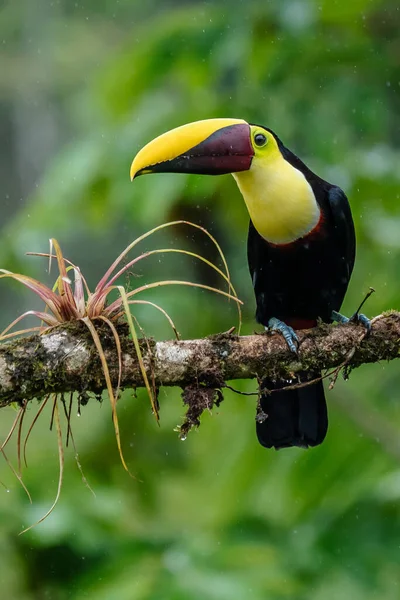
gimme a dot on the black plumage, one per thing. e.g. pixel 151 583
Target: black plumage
pixel 298 283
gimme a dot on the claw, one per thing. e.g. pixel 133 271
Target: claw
pixel 356 318
pixel 363 320
pixel 288 333
pixel 339 318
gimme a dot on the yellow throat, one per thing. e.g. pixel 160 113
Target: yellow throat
pixel 280 201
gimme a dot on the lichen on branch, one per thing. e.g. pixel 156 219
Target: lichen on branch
pixel 65 360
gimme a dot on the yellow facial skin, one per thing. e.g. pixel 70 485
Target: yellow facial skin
pixel 278 197
pixel 177 141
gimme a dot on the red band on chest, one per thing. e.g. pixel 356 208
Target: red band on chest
pixel 298 323
pixel 315 232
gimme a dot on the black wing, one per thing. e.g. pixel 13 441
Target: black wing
pixel 343 228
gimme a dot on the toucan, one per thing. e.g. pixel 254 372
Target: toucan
pixel 301 249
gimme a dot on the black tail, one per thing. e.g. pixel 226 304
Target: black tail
pixel 293 417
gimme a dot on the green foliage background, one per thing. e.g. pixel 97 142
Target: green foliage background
pixel 83 86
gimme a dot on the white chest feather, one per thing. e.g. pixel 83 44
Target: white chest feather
pixel 279 199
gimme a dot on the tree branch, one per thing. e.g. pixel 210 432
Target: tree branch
pixel 65 359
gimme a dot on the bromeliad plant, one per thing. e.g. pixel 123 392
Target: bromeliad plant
pixel 72 300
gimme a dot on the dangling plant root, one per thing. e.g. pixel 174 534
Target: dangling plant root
pixel 56 415
pixel 198 397
pixel 67 413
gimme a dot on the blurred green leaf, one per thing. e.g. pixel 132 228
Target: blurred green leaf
pixel 84 85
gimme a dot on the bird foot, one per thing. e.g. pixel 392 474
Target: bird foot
pixel 359 318
pixel 288 333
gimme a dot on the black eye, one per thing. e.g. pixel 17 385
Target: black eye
pixel 260 139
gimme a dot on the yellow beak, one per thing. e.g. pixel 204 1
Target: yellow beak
pixel 212 147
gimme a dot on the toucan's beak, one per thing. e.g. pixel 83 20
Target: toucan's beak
pixel 211 147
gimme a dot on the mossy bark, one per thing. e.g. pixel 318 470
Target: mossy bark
pixel 65 359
